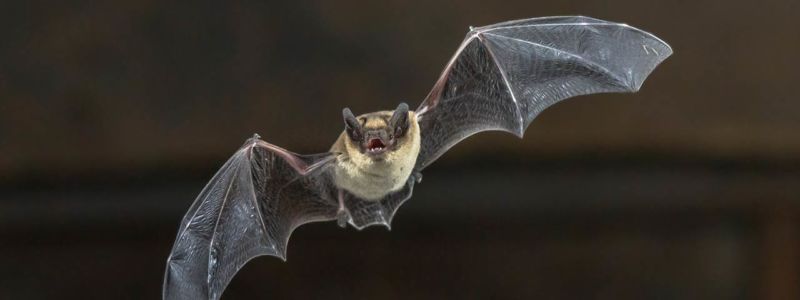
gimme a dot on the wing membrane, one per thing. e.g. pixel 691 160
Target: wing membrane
pixel 367 213
pixel 248 209
pixel 504 75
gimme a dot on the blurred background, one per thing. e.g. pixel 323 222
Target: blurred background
pixel 114 115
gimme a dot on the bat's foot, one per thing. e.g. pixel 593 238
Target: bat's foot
pixel 342 217
pixel 416 176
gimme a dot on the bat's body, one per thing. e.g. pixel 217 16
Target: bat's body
pixel 375 155
pixel 501 77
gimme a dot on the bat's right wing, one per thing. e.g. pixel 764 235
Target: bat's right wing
pixel 504 75
pixel 248 209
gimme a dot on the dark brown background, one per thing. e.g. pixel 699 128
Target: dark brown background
pixel 113 116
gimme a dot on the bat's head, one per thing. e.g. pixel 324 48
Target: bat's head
pixel 380 133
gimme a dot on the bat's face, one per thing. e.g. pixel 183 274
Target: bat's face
pixel 378 134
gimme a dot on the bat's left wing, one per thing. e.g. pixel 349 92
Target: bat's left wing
pixel 503 75
pixel 248 209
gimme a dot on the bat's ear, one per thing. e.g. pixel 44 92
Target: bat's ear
pixel 352 126
pixel 399 119
pixel 349 119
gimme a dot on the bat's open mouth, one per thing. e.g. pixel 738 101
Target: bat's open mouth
pixel 375 146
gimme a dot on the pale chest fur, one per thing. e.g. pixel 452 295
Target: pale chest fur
pixel 372 180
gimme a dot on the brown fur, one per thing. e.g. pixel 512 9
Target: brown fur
pixel 371 179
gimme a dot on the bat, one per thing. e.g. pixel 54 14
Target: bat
pixel 500 78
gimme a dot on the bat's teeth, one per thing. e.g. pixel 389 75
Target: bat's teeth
pixel 375 144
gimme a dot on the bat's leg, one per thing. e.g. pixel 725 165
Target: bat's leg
pixel 342 215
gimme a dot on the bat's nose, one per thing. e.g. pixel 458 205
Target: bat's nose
pixel 376 134
pixel 376 141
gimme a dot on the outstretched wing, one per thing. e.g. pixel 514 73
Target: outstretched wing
pixel 503 75
pixel 248 209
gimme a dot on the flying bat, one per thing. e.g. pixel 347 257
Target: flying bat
pixel 500 78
